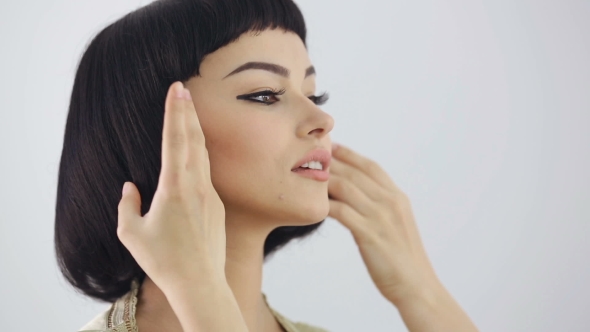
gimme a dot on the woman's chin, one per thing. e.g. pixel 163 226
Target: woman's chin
pixel 312 214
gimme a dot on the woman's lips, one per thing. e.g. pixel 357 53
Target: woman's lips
pixel 314 174
pixel 322 155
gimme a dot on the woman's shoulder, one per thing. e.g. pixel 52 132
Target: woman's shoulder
pixel 303 327
pixel 119 317
pixel 291 326
pixel 98 323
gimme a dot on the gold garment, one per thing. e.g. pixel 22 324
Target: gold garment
pixel 120 317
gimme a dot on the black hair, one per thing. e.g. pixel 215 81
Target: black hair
pixel 114 125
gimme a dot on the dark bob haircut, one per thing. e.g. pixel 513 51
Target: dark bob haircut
pixel 115 119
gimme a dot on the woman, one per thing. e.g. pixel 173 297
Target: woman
pixel 207 111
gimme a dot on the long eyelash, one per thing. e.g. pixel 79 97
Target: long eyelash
pixel 261 93
pixel 318 100
pixel 321 99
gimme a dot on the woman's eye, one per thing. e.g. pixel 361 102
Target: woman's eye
pixel 267 97
pixel 319 100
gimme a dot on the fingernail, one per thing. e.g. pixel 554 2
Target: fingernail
pixel 125 188
pixel 335 146
pixel 187 94
pixel 179 91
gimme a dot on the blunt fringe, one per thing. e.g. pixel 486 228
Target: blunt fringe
pixel 113 131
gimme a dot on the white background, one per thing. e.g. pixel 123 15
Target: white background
pixel 479 110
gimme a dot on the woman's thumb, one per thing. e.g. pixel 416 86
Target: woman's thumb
pixel 129 206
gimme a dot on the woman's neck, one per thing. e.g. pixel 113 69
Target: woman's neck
pixel 243 270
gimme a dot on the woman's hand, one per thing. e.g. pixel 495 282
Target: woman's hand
pixel 379 215
pixel 180 242
pixel 182 237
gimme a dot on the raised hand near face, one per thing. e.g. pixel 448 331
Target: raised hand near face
pixel 379 215
pixel 183 234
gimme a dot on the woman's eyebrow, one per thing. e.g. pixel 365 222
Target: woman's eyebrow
pixel 271 67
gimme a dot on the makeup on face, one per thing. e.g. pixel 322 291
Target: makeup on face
pixel 269 96
pixel 314 165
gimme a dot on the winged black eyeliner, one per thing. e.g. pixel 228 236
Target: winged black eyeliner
pixel 318 100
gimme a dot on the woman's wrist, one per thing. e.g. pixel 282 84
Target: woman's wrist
pixel 202 282
pixel 428 295
pixel 207 304
pixel 418 285
pixel 431 308
pixel 201 275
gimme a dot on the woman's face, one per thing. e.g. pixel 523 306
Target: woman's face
pixel 252 146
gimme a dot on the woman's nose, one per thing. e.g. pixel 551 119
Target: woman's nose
pixel 317 122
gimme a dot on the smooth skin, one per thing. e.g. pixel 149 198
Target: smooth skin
pixel 226 183
pixel 379 216
pixel 180 241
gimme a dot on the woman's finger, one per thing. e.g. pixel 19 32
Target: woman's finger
pixel 365 165
pixel 367 185
pixel 347 216
pixel 174 137
pixel 345 191
pixel 198 158
pixel 129 209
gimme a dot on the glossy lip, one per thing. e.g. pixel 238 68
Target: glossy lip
pixel 314 174
pixel 322 155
